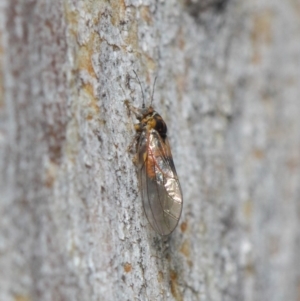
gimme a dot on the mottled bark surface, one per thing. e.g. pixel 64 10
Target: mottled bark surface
pixel 72 225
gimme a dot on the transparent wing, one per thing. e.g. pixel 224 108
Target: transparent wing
pixel 160 187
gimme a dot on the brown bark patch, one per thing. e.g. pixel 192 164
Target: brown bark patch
pixel 261 33
pixel 183 226
pixel 174 286
pixel 127 267
pixel 185 248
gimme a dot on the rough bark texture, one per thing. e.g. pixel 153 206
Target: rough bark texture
pixel 72 222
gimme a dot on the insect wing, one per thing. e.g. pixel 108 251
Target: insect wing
pixel 161 191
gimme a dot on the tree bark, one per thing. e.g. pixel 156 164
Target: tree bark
pixel 228 85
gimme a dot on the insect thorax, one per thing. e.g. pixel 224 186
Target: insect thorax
pixel 155 121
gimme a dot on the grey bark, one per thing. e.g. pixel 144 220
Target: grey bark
pixel 228 86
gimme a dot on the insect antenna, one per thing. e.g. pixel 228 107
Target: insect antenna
pixel 153 90
pixel 141 89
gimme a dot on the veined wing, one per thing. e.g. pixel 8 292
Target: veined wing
pixel 160 187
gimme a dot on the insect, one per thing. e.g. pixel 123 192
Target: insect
pixel 159 184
